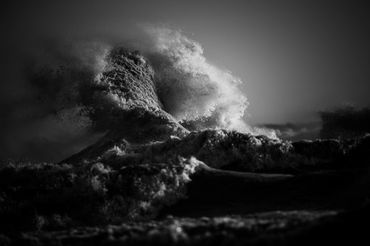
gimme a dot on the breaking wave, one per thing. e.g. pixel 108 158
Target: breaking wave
pixel 194 92
pixel 64 84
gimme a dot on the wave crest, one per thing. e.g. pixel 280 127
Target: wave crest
pixel 192 89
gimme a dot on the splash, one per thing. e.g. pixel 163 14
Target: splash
pixel 192 89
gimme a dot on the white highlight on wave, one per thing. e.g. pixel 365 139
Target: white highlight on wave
pixel 191 88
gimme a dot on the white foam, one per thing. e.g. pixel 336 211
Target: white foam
pixel 190 87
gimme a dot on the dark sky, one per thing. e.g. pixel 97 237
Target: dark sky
pixel 295 57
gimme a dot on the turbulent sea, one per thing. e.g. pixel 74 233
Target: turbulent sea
pixel 175 162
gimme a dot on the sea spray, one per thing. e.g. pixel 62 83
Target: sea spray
pixel 190 87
